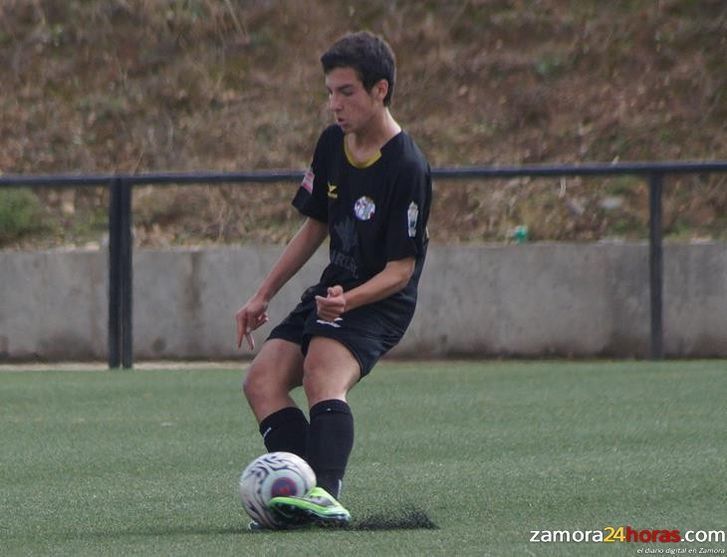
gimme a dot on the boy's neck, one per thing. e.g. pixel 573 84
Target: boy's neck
pixel 374 136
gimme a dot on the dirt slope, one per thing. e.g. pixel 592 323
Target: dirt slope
pixel 145 85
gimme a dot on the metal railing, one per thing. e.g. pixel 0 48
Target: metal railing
pixel 120 284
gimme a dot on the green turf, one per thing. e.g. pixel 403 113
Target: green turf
pixel 146 462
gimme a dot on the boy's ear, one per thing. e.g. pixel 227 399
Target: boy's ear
pixel 380 89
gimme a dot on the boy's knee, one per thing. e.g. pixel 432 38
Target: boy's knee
pixel 258 384
pixel 250 386
pixel 322 382
pixel 311 378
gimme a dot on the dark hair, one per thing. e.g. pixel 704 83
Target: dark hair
pixel 368 54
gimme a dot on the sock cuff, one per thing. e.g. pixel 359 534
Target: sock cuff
pixel 333 406
pixel 276 419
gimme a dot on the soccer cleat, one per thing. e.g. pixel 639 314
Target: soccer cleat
pixel 317 507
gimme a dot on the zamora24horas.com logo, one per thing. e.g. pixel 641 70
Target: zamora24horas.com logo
pixel 627 534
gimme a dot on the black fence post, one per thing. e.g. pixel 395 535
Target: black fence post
pixel 656 266
pixel 114 277
pixel 127 287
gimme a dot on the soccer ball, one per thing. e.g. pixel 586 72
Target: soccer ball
pixel 273 475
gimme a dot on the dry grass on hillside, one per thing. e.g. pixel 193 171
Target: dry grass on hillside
pixel 145 85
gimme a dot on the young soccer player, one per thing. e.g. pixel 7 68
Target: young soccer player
pixel 369 190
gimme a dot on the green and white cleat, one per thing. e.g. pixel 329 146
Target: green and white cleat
pixel 317 507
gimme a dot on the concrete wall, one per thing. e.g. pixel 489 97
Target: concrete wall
pixel 526 300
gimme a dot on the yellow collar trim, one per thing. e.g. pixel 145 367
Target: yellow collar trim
pixel 365 164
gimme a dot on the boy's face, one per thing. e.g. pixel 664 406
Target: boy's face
pixel 352 106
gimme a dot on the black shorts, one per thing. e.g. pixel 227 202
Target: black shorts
pixel 366 331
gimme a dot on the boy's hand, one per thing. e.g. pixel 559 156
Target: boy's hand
pixel 333 305
pixel 249 317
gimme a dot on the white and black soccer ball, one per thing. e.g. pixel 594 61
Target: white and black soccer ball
pixel 273 475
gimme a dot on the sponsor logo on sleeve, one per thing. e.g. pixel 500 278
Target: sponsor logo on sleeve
pixel 412 217
pixel 307 183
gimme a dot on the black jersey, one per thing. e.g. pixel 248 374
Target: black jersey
pixel 376 212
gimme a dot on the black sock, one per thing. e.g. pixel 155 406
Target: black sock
pixel 330 440
pixel 285 430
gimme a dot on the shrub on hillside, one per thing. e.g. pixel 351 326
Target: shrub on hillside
pixel 20 214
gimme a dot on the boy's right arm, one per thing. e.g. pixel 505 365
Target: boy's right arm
pixel 299 250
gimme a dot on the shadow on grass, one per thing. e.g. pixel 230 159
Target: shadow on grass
pixel 412 519
pixel 407 520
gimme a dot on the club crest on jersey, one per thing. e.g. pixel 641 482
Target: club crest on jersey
pixel 364 208
pixel 307 183
pixel 332 191
pixel 412 217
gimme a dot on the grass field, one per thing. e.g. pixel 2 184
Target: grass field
pixel 146 462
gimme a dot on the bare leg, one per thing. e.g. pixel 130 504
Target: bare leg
pixel 275 371
pixel 330 371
